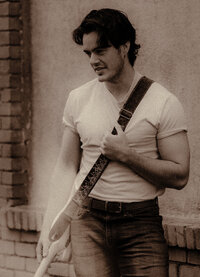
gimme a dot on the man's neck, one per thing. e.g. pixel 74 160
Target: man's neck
pixel 122 84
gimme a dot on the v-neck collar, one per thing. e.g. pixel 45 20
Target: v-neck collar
pixel 120 104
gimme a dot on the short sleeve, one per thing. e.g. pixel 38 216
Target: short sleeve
pixel 68 116
pixel 172 118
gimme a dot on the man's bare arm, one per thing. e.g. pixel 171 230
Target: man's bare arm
pixel 171 170
pixel 60 185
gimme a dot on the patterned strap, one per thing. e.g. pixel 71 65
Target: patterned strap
pixel 102 162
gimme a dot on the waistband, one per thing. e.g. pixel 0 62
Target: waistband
pixel 117 207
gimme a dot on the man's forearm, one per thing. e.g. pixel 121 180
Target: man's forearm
pixel 159 172
pixel 60 190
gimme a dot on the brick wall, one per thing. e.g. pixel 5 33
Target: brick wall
pixel 15 84
pixel 20 228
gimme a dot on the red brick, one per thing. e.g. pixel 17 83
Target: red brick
pixel 7 81
pixel 197 237
pixel 180 234
pixel 12 191
pixel 15 81
pixel 10 66
pixel 5 38
pixel 32 221
pixel 14 150
pixel 4 52
pixel 25 221
pixel 6 273
pixel 4 23
pixel 4 66
pixel 31 264
pixel 3 218
pixel 3 202
pixel 189 271
pixel 165 231
pixel 172 238
pixel 194 257
pixel 15 52
pixel 7 8
pixel 10 136
pixel 10 109
pixel 7 247
pixel 190 240
pixel 173 270
pixel 2 260
pixel 10 95
pixel 24 274
pixel 11 123
pixel 25 249
pixel 14 262
pixel 177 254
pixel 10 235
pixel 17 201
pixel 9 38
pixel 10 219
pixel 31 237
pixel 4 81
pixel 39 221
pixel 17 220
pixel 15 164
pixel 9 178
pixel 14 24
pixel 15 66
pixel 4 8
pixel 5 164
pixel 14 9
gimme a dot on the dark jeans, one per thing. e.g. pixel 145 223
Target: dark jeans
pixel 129 243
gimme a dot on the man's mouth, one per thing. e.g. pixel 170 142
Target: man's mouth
pixel 98 69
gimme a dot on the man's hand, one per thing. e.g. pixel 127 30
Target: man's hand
pixel 115 147
pixel 42 248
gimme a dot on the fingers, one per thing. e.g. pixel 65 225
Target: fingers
pixel 42 249
pixel 39 251
pixel 46 248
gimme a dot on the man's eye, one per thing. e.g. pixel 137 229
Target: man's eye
pixel 100 51
pixel 88 53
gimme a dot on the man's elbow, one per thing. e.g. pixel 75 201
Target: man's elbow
pixel 181 182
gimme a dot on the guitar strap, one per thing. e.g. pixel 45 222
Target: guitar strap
pixel 102 162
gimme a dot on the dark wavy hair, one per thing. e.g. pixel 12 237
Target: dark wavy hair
pixel 112 26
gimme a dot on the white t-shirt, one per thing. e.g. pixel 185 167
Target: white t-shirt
pixel 91 111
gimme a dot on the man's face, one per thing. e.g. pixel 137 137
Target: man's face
pixel 107 62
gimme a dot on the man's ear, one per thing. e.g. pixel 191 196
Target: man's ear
pixel 125 47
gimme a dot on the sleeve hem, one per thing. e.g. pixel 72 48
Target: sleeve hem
pixel 172 132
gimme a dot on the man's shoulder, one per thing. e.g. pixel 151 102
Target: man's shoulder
pixel 159 92
pixel 85 88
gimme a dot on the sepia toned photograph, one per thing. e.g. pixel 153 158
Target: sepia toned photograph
pixel 99 138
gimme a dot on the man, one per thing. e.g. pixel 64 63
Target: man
pixel 151 155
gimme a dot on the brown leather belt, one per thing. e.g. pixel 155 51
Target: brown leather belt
pixel 117 207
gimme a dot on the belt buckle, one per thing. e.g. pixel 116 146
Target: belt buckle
pixel 114 207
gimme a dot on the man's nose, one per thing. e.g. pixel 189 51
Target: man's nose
pixel 94 59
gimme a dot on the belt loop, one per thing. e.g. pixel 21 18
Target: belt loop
pixel 106 206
